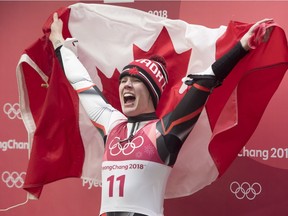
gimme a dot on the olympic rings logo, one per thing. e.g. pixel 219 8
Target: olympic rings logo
pixel 13 179
pixel 245 190
pixel 128 148
pixel 12 111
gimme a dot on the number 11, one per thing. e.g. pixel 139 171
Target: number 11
pixel 111 181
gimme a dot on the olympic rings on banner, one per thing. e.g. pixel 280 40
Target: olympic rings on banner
pixel 245 190
pixel 13 179
pixel 12 111
pixel 128 148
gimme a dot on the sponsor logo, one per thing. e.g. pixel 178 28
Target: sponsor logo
pixel 12 111
pixel 13 179
pixel 245 190
pixel 13 144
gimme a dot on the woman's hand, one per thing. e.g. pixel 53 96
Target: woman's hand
pixel 56 36
pixel 245 39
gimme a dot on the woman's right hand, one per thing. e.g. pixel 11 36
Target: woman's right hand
pixel 56 36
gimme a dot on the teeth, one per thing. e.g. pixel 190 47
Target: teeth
pixel 128 95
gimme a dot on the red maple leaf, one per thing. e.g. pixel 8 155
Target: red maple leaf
pixel 133 71
pixel 110 88
pixel 177 66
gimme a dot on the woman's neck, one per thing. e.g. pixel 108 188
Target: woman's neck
pixel 142 117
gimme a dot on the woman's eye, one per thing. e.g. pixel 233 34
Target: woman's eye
pixel 130 79
pixel 123 80
pixel 136 80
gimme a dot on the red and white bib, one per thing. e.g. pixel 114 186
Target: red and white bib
pixel 133 175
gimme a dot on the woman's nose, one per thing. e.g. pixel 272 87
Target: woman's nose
pixel 128 83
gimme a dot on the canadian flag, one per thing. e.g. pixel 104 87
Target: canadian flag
pixel 64 143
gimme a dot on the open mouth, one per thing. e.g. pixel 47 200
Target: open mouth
pixel 128 98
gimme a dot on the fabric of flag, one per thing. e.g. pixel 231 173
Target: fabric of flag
pixel 64 142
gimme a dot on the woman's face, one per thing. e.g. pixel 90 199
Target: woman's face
pixel 134 97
